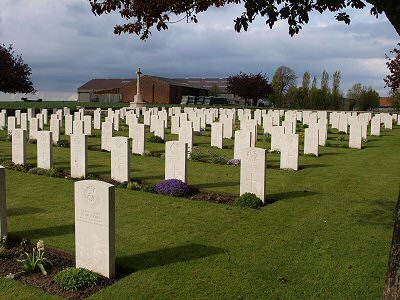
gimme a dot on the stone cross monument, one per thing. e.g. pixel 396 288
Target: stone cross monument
pixel 138 100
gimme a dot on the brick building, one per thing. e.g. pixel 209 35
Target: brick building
pixel 153 89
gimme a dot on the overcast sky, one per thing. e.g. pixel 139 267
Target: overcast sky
pixel 66 45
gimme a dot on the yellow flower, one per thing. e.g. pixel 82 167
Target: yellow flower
pixel 40 245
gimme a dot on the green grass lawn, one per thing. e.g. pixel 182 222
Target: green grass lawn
pixel 326 237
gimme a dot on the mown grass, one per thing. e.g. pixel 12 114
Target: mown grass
pixel 327 236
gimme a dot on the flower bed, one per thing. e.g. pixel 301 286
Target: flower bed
pixel 59 261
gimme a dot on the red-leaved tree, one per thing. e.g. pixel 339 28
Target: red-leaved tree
pixel 393 64
pixel 14 73
pixel 249 86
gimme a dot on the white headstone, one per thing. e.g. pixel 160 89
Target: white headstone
pixel 3 205
pixel 186 134
pixel 343 122
pixel 55 129
pixel 267 124
pixel 40 121
pixel 95 226
pixel 97 119
pixel 87 123
pixel 120 159
pixel 159 128
pixel 176 160
pixel 24 121
pixel 106 135
pixel 388 121
pixel 290 152
pixel 217 132
pixel 3 118
pixel 311 141
pixel 242 143
pixel 10 124
pixel 355 138
pixel 252 172
pixel 77 126
pixel 44 150
pixel 227 127
pixel 139 141
pixel 30 113
pixel 79 155
pixel 45 115
pixel 33 128
pixel 251 126
pixel 175 124
pixel 276 138
pixel 69 124
pixel 19 146
pixel 18 116
pixel 376 126
pixel 322 132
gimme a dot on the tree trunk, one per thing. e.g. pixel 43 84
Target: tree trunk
pixel 391 8
pixel 392 286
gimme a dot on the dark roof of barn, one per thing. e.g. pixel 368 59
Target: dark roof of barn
pixel 110 84
pixel 105 84
pixel 175 82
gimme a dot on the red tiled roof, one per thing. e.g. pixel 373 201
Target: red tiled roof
pixel 385 102
pixel 105 84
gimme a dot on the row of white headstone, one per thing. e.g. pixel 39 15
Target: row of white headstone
pixel 316 120
pixel 283 139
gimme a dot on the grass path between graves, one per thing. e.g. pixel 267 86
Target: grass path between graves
pixel 327 237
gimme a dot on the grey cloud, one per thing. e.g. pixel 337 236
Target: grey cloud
pixel 69 45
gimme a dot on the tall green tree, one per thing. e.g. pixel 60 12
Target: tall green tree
pixel 362 98
pixel 354 95
pixel 325 82
pixel 336 93
pixel 369 99
pixel 306 83
pixel 313 93
pixel 283 80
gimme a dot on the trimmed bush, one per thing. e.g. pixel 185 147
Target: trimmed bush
pixel 234 162
pixel 92 176
pixel 340 138
pixel 134 186
pixel 123 185
pixel 173 187
pixel 63 144
pixel 37 171
pixel 155 139
pixel 196 156
pixel 248 200
pixel 8 164
pixel 55 172
pixel 72 279
pixel 151 188
pixel 217 158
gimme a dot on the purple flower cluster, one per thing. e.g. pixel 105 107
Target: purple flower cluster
pixel 173 187
pixel 234 162
pixel 198 133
